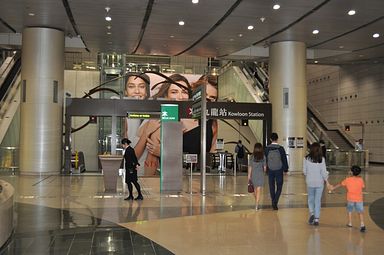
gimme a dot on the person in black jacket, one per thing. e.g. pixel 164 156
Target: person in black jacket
pixel 130 163
pixel 277 164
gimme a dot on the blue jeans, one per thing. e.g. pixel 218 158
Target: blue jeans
pixel 314 200
pixel 358 206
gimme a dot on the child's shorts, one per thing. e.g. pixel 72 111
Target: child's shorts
pixel 358 206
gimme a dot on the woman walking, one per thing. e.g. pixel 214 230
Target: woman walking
pixel 256 169
pixel 316 174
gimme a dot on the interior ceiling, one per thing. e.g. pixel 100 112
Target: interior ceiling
pixel 213 28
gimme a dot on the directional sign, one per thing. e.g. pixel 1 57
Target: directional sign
pixel 143 115
pixel 196 105
pixel 190 158
pixel 169 112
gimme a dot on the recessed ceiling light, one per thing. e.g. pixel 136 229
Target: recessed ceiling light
pixel 195 1
pixel 109 33
pixel 172 36
pixel 250 27
pixel 341 47
pixel 316 61
pixel 109 27
pixel 31 14
pixel 315 32
pixel 276 6
pixel 240 35
pixel 351 12
pixel 107 17
pixel 376 35
pixel 231 39
pixel 181 23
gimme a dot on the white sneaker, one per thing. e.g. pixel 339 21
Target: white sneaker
pixel 256 208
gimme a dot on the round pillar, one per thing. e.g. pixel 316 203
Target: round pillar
pixel 288 95
pixel 42 74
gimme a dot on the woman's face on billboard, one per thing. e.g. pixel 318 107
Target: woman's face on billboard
pixel 136 87
pixel 177 93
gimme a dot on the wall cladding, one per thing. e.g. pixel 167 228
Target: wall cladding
pixel 351 94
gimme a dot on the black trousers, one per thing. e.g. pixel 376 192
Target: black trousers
pixel 131 177
pixel 276 180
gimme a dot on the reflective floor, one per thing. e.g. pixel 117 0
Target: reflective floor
pixel 73 215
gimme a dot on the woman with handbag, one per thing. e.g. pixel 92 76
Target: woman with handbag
pixel 256 169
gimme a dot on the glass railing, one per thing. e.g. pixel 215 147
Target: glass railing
pixel 345 159
pixel 9 157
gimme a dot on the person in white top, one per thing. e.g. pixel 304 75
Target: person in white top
pixel 316 175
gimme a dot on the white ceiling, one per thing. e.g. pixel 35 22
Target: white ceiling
pixel 212 27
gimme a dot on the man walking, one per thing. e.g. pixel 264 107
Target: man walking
pixel 277 164
pixel 239 150
pixel 130 162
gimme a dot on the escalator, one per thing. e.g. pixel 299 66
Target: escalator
pixel 10 79
pixel 249 78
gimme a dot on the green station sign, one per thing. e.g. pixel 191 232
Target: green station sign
pixel 169 113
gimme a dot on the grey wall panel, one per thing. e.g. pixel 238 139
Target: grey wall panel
pixel 353 94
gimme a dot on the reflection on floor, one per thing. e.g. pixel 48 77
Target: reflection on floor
pixel 44 230
pixel 73 215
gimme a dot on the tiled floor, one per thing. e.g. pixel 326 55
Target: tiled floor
pixel 72 215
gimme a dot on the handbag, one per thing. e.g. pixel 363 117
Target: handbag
pixel 251 189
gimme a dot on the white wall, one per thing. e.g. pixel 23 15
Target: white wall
pixel 85 140
pixel 351 94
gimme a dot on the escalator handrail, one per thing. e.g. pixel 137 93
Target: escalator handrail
pixel 324 135
pixel 10 79
pixel 7 67
pixel 316 114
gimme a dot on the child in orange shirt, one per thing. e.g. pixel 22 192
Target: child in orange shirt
pixel 354 186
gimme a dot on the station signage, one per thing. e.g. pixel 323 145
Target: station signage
pixel 190 158
pixel 169 112
pixel 196 105
pixel 223 110
pixel 143 115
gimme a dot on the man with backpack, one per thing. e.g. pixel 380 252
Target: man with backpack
pixel 277 164
pixel 239 150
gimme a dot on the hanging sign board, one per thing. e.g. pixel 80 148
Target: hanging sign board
pixel 169 113
pixel 143 115
pixel 196 105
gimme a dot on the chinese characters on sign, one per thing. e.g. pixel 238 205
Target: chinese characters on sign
pixel 223 112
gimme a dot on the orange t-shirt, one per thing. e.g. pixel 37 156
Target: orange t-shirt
pixel 354 187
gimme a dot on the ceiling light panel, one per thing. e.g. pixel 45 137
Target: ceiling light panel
pixel 198 19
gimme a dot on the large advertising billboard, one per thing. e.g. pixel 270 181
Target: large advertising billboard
pixel 145 133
